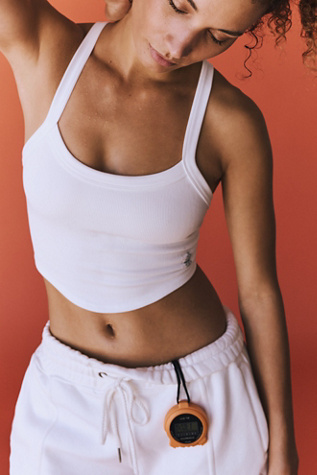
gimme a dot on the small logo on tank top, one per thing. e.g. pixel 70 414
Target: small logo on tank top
pixel 188 260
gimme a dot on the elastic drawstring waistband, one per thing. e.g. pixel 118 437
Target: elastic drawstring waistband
pixel 59 359
pixel 129 400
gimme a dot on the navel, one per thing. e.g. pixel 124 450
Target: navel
pixel 109 331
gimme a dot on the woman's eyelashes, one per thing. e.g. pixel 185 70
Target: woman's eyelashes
pixel 183 12
pixel 177 10
pixel 214 39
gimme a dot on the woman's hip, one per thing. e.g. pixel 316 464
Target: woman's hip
pixel 74 412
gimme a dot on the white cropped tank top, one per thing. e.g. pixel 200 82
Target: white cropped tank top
pixel 112 243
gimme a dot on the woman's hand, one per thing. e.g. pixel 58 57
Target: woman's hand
pixel 117 9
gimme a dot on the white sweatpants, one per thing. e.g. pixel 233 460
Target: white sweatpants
pixel 73 412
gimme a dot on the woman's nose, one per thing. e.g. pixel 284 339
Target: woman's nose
pixel 178 46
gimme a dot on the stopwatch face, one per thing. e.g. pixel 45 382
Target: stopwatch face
pixel 186 428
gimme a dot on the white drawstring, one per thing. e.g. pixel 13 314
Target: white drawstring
pixel 109 418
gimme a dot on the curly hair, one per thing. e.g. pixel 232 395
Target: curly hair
pixel 278 18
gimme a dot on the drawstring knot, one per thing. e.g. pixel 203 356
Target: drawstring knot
pixel 130 403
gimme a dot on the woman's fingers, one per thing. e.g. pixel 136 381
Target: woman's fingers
pixel 116 9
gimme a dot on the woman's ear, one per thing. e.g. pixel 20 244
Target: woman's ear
pixel 117 9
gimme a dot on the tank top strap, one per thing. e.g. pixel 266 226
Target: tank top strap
pixel 193 130
pixel 73 72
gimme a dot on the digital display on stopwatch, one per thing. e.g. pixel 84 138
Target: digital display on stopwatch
pixel 186 428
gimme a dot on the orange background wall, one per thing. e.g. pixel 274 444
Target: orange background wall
pixel 287 95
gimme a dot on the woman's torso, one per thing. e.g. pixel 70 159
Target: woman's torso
pixel 106 114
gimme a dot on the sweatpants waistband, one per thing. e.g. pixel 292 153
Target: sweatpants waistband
pixel 58 359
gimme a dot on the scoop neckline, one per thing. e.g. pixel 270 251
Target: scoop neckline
pixel 50 129
pixel 71 162
pixel 74 165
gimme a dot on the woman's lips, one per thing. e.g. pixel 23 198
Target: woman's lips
pixel 159 59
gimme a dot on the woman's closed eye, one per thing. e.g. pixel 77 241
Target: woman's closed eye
pixel 177 10
pixel 215 40
pixel 183 12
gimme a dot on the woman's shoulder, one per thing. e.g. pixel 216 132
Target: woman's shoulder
pixel 230 103
pixel 233 120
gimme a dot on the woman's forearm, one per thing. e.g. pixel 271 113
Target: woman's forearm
pixel 267 342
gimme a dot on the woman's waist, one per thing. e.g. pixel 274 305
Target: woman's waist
pixel 60 360
pixel 184 321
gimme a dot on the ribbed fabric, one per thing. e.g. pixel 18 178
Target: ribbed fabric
pixel 113 243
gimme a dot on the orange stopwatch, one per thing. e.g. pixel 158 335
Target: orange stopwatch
pixel 186 424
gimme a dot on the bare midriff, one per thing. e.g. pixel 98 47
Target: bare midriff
pixel 184 321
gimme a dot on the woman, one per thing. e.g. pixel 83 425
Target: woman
pixel 128 133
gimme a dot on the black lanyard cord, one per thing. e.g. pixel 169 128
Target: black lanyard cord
pixel 180 378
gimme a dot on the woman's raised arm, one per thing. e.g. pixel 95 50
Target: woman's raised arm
pixel 19 21
pixel 28 27
pixel 38 42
